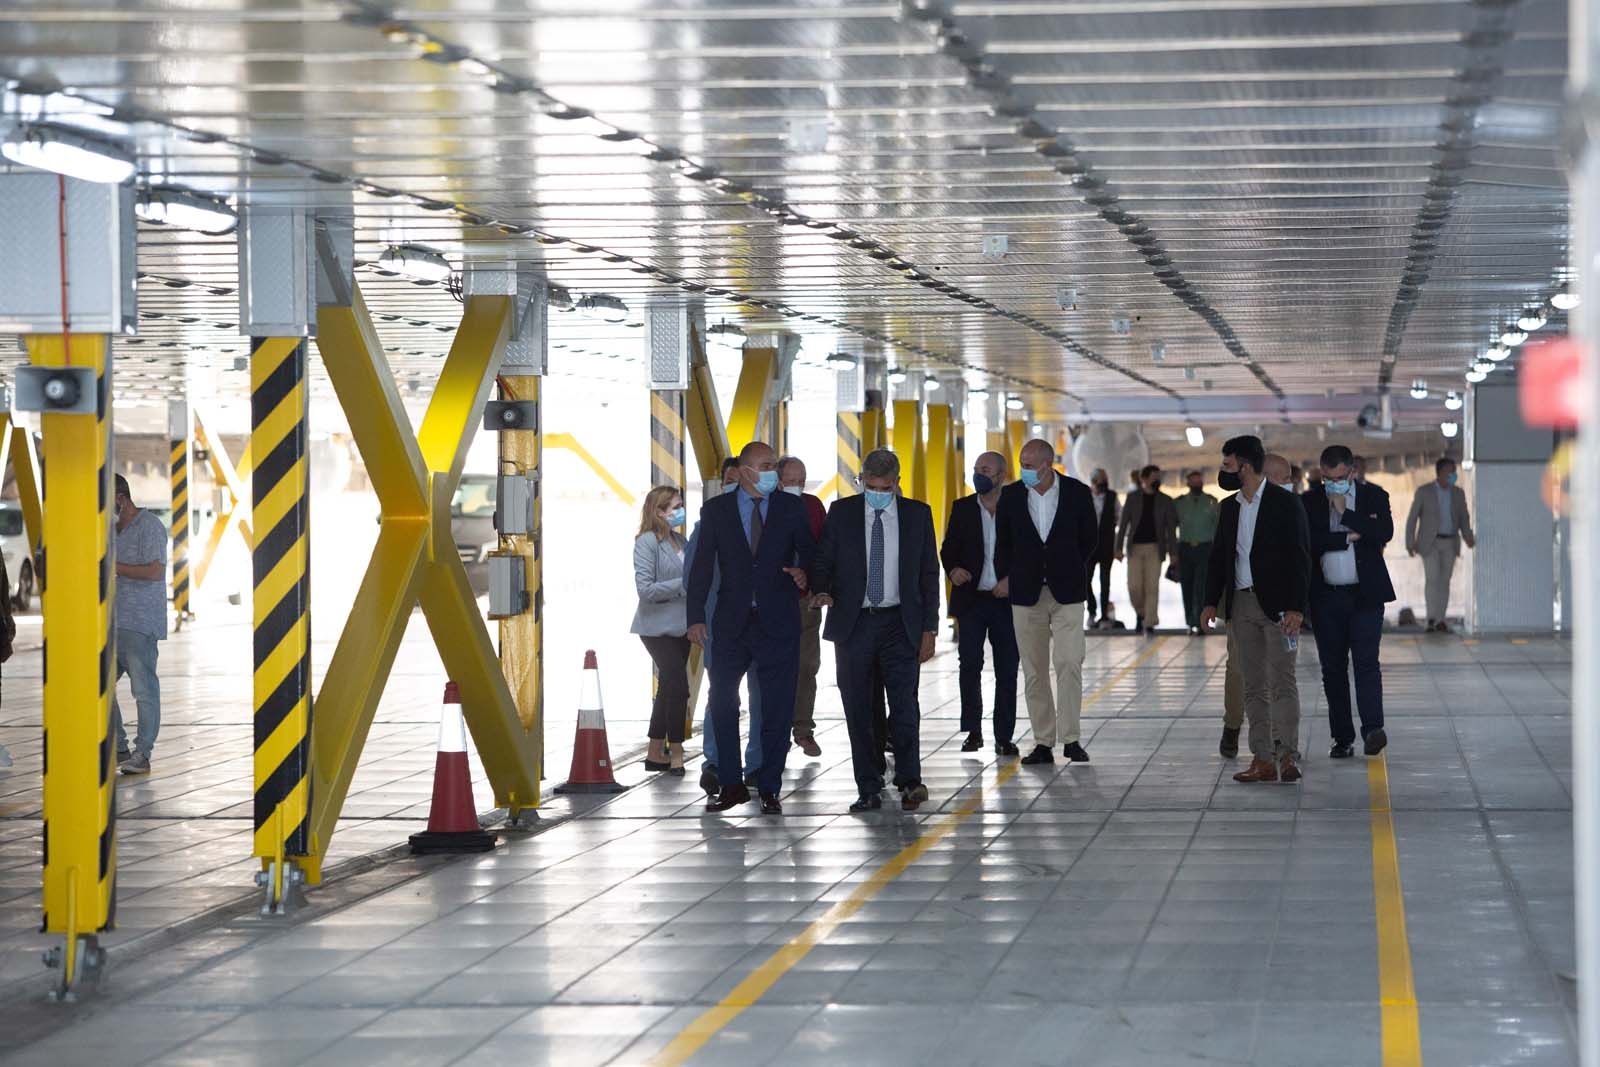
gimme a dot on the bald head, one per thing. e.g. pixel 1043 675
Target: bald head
pixel 1038 456
pixel 1275 469
pixel 755 460
pixel 990 466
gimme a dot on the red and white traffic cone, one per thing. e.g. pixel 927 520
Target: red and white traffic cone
pixel 591 753
pixel 453 819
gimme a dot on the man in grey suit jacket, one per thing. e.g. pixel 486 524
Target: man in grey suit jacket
pixel 1435 529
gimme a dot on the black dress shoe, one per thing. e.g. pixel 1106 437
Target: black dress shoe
pixel 1375 742
pixel 730 797
pixel 1075 753
pixel 1229 746
pixel 657 765
pixel 1341 750
pixel 708 781
pixel 867 802
pixel 750 778
pixel 973 742
pixel 1005 748
pixel 1040 754
pixel 913 797
pixel 770 805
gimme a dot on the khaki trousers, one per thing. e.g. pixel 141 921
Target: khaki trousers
pixel 1051 634
pixel 1271 695
pixel 805 689
pixel 1438 564
pixel 1144 581
pixel 1232 685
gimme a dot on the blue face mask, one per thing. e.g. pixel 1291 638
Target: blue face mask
pixel 1030 477
pixel 1338 488
pixel 877 500
pixel 766 482
pixel 675 517
pixel 1451 478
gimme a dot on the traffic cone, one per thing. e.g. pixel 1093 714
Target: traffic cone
pixel 591 754
pixel 453 819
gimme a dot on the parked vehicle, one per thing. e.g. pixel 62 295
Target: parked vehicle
pixel 472 520
pixel 19 562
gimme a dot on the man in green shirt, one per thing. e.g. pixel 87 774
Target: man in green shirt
pixel 1197 527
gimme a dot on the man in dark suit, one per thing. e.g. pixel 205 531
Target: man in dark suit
pixel 877 571
pixel 980 613
pixel 1045 536
pixel 1350 523
pixel 758 542
pixel 792 480
pixel 1106 511
pixel 1259 575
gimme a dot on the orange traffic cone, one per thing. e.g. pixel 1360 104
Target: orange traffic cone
pixel 591 754
pixel 452 820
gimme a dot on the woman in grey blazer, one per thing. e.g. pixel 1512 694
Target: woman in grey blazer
pixel 662 622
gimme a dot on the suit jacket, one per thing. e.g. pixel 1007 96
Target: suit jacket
pixel 1059 562
pixel 1280 554
pixel 1422 524
pixel 742 578
pixel 1166 522
pixel 840 570
pixel 658 579
pixel 1374 521
pixel 1106 551
pixel 963 547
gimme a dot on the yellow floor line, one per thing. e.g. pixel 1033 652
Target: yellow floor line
pixel 1397 992
pixel 764 977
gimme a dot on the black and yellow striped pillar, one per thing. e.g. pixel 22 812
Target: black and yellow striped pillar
pixel 668 458
pixel 178 440
pixel 281 565
pixel 847 431
pixel 78 585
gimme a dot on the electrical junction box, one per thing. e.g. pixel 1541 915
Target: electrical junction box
pixel 508 585
pixel 995 245
pixel 513 512
pixel 88 224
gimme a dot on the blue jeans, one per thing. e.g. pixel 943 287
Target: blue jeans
pixel 136 657
pixel 752 748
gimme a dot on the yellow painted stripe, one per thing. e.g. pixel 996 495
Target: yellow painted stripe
pixel 664 460
pixel 764 977
pixel 1397 992
pixel 276 748
pixel 284 420
pixel 294 812
pixel 277 582
pixel 277 501
pixel 276 667
pixel 269 356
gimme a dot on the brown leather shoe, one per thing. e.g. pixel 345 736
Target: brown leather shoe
pixel 1288 770
pixel 1260 770
pixel 808 745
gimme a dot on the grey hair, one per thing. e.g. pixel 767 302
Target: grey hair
pixel 784 461
pixel 880 463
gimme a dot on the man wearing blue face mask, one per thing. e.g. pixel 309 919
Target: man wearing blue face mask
pixel 758 544
pixel 1435 529
pixel 1350 524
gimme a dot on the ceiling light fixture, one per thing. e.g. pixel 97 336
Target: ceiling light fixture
pixel 1565 300
pixel 416 261
pixel 74 153
pixel 1483 366
pixel 1495 354
pixel 1449 429
pixel 896 377
pixel 1452 401
pixel 1476 376
pixel 726 334
pixel 1014 403
pixel 186 210
pixel 842 360
pixel 1419 390
pixel 931 383
pixel 1533 320
pixel 1195 436
pixel 605 307
pixel 1513 338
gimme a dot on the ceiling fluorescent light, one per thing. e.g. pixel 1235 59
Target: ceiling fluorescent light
pixel 1533 320
pixel 605 307
pixel 1512 338
pixel 843 360
pixel 186 210
pixel 1195 436
pixel 416 261
pixel 71 152
pixel 1564 301
pixel 726 334
pixel 1449 429
pixel 1452 401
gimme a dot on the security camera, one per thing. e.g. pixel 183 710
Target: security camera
pixel 1368 416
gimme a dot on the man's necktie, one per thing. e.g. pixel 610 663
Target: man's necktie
pixel 875 561
pixel 755 527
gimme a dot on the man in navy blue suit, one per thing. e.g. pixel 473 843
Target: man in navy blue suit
pixel 758 542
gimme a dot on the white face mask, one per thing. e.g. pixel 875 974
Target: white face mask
pixel 1286 485
pixel 794 490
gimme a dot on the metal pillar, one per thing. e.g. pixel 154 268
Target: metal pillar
pixel 668 454
pixel 1016 437
pixel 940 460
pixel 850 400
pixel 178 439
pixel 907 437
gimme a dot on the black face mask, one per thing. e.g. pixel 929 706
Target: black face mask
pixel 1229 481
pixel 1155 484
pixel 1196 489
pixel 982 483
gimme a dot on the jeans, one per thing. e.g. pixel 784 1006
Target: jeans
pixel 752 748
pixel 668 712
pixel 1347 631
pixel 879 640
pixel 1192 561
pixel 988 618
pixel 136 657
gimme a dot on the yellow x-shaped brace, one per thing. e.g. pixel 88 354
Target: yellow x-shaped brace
pixel 17 448
pixel 236 511
pixel 415 558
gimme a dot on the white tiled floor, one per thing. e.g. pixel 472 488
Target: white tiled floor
pixel 1143 909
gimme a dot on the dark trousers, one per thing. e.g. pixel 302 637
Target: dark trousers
pixel 988 618
pixel 879 639
pixel 671 707
pixel 1192 576
pixel 776 666
pixel 1348 632
pixel 1097 608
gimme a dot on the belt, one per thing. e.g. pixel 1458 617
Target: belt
pixel 884 610
pixel 1246 589
pixel 1347 585
pixel 1445 537
pixel 984 592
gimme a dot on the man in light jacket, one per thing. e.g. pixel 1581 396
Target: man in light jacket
pixel 1435 529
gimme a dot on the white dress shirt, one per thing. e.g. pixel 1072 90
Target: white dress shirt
pixel 1447 509
pixel 987 580
pixel 1042 507
pixel 1246 538
pixel 891 555
pixel 1339 568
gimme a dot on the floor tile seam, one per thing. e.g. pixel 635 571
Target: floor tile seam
pixel 1277 920
pixel 1537 748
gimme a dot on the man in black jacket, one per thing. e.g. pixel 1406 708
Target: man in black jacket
pixel 877 573
pixel 1106 511
pixel 980 613
pixel 1045 535
pixel 1350 523
pixel 1259 575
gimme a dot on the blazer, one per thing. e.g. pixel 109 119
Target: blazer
pixel 658 577
pixel 840 570
pixel 745 580
pixel 1059 562
pixel 1280 555
pixel 1166 522
pixel 1106 550
pixel 963 547
pixel 1422 524
pixel 1374 521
